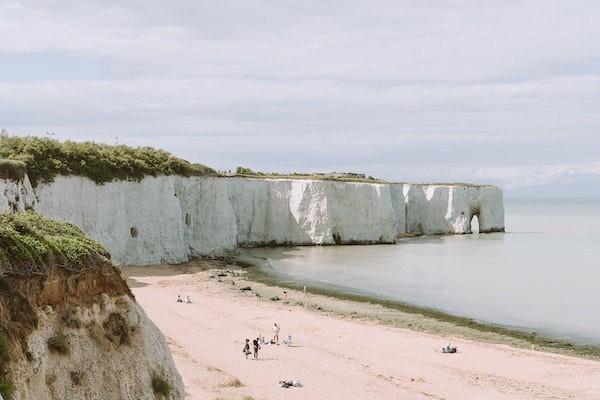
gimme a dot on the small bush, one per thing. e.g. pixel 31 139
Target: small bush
pixel 232 383
pixel 77 377
pixel 58 344
pixel 70 319
pixel 160 386
pixel 117 329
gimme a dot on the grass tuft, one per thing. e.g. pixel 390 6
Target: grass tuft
pixel 58 344
pixel 7 388
pixel 160 386
pixel 232 383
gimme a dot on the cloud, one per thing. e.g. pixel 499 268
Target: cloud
pixel 526 176
pixel 400 89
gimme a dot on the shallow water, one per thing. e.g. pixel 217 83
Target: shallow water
pixel 543 275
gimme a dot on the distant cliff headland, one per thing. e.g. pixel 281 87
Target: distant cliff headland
pixel 146 206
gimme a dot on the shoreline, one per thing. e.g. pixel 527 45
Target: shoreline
pixel 437 320
pixel 344 348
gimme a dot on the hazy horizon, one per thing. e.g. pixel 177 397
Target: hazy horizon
pixel 488 92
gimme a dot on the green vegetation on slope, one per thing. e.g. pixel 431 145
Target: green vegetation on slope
pixel 31 243
pixel 160 386
pixel 46 158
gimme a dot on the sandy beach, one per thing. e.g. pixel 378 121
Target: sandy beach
pixel 340 349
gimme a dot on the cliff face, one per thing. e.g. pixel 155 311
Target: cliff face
pixel 111 349
pixel 172 218
pixel 69 326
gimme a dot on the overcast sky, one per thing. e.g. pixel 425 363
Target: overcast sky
pixel 504 91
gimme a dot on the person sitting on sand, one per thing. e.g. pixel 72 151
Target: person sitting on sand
pixel 288 341
pixel 276 330
pixel 449 348
pixel 256 348
pixel 290 383
pixel 188 299
pixel 179 299
pixel 246 349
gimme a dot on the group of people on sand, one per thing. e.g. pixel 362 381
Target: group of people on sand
pixel 260 341
pixel 188 299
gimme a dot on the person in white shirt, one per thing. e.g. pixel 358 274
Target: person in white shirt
pixel 276 330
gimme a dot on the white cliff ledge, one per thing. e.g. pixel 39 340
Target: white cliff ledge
pixel 173 218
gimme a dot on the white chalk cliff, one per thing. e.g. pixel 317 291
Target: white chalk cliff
pixel 173 218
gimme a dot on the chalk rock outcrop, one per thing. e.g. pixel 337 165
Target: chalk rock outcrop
pixel 441 209
pixel 16 194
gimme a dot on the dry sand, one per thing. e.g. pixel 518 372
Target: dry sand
pixel 335 354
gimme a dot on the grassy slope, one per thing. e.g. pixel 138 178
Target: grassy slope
pixel 31 243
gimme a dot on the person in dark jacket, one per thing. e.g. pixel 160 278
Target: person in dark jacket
pixel 256 344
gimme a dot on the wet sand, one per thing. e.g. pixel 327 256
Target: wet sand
pixel 342 349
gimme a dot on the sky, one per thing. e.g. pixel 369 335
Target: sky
pixel 500 91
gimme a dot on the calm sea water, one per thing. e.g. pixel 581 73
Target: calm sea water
pixel 543 275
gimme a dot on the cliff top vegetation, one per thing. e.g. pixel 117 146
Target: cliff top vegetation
pixel 339 177
pixel 12 169
pixel 45 158
pixel 31 243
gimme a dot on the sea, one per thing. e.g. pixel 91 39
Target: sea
pixel 542 275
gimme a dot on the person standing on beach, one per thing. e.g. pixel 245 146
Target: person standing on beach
pixel 246 348
pixel 276 330
pixel 256 348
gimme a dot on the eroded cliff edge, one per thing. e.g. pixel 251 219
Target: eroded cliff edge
pixel 174 218
pixel 69 326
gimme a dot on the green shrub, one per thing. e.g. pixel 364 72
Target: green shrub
pixel 30 242
pixel 58 344
pixel 247 171
pixel 160 386
pixel 46 158
pixel 7 388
